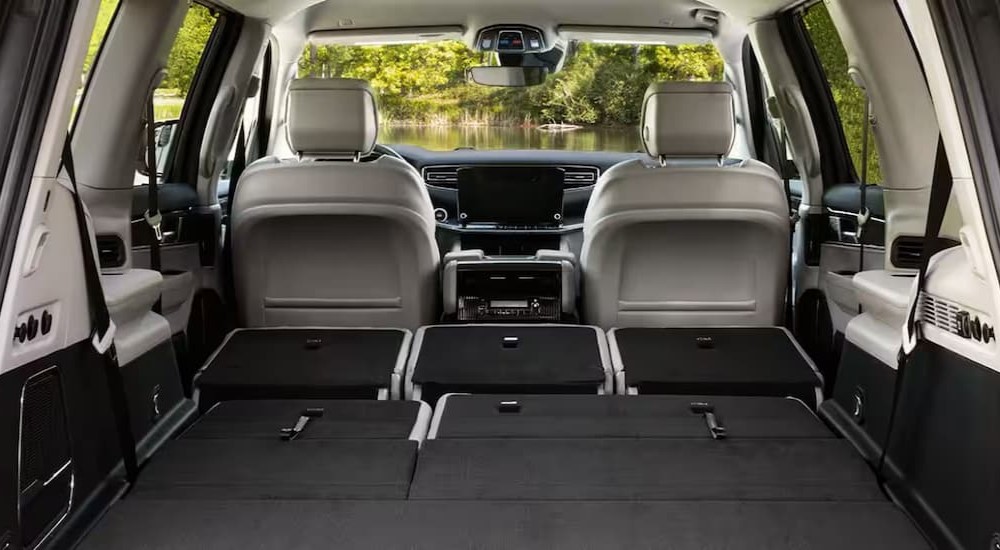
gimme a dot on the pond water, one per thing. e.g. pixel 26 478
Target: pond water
pixel 446 138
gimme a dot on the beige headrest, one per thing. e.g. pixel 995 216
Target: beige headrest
pixel 335 116
pixel 688 119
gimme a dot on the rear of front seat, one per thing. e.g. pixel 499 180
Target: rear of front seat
pixel 330 239
pixel 686 238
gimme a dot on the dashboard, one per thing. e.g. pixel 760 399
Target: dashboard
pixel 516 190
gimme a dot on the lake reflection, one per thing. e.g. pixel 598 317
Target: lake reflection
pixel 446 138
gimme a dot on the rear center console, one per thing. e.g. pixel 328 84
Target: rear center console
pixel 539 288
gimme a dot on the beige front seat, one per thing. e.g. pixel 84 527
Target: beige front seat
pixel 329 239
pixel 686 238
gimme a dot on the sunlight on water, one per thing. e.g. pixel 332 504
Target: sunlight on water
pixel 446 138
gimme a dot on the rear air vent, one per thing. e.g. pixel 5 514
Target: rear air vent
pixel 447 176
pixel 907 252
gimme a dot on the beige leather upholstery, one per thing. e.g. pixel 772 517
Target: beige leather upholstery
pixel 331 116
pixel 320 242
pixel 674 242
pixel 688 119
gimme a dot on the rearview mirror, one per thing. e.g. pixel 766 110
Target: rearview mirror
pixel 508 76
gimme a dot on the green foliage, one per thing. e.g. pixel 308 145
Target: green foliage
pixel 184 56
pixel 849 98
pixel 188 47
pixel 425 83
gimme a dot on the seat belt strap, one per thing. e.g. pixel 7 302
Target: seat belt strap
pixel 864 214
pixel 238 166
pixel 941 185
pixel 152 215
pixel 793 221
pixel 103 327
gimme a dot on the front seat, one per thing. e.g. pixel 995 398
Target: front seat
pixel 334 237
pixel 686 237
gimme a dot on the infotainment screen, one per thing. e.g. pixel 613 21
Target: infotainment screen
pixel 510 195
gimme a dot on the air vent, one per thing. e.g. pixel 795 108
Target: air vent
pixel 907 252
pixel 441 177
pixel 580 176
pixel 447 176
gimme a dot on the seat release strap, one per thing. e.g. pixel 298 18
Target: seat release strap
pixel 288 434
pixel 707 410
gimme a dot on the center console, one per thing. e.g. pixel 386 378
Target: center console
pixel 480 288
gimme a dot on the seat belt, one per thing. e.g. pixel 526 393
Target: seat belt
pixel 152 215
pixel 793 215
pixel 864 214
pixel 238 166
pixel 103 327
pixel 793 221
pixel 941 185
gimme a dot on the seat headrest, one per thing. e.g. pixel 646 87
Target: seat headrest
pixel 332 116
pixel 688 119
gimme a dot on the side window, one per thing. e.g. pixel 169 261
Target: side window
pixel 850 100
pixel 182 65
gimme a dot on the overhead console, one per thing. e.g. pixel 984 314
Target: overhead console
pixel 504 39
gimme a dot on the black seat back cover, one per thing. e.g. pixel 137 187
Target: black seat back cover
pixel 543 359
pixel 718 361
pixel 301 364
pixel 639 416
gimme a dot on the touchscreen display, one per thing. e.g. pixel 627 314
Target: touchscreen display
pixel 510 195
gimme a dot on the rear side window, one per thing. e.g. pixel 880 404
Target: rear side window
pixel 850 100
pixel 185 56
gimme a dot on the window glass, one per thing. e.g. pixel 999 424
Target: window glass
pixel 183 62
pixel 425 100
pixel 850 100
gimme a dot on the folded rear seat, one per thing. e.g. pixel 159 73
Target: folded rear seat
pixel 305 363
pixel 756 361
pixel 355 449
pixel 676 460
pixel 514 358
pixel 439 525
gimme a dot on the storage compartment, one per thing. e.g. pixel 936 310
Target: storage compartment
pixel 508 358
pixel 762 361
pixel 479 288
pixel 291 363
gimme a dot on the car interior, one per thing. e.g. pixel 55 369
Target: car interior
pixel 499 274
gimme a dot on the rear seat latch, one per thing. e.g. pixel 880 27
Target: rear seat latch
pixel 707 410
pixel 510 342
pixel 288 434
pixel 705 342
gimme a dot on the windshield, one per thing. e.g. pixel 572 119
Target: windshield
pixel 593 104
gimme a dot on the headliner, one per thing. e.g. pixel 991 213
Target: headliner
pixel 333 14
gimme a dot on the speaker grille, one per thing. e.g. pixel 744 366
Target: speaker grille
pixel 45 472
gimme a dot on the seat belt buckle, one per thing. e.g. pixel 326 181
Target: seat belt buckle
pixel 862 218
pixel 103 343
pixel 154 221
